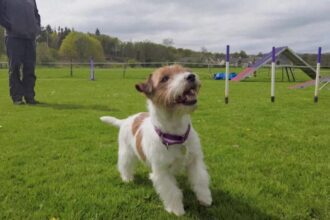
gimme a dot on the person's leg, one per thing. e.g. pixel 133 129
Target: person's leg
pixel 15 53
pixel 29 77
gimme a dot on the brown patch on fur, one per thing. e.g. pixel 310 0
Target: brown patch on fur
pixel 138 143
pixel 138 120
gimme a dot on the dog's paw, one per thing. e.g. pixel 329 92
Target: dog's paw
pixel 205 201
pixel 175 207
pixel 127 179
pixel 178 211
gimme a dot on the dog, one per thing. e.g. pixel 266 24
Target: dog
pixel 164 138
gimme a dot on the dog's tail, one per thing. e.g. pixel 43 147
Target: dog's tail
pixel 112 120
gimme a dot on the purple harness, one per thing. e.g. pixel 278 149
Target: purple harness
pixel 171 139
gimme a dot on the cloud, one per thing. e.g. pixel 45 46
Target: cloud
pixel 250 25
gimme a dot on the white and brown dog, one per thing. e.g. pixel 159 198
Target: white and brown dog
pixel 164 138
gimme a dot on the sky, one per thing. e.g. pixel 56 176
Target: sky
pixel 250 25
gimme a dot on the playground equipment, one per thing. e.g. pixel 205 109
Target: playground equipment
pixel 288 53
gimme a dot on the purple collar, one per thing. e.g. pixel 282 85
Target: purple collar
pixel 171 139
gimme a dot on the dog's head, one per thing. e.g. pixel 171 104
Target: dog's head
pixel 172 87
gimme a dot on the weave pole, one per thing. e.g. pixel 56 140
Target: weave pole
pixel 317 78
pixel 272 97
pixel 71 68
pixel 227 76
pixel 92 73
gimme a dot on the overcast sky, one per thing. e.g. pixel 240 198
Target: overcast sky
pixel 250 25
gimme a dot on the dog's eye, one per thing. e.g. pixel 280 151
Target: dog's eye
pixel 164 79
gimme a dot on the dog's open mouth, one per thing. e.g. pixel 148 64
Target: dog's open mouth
pixel 189 97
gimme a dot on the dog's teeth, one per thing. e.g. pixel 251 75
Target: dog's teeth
pixel 181 99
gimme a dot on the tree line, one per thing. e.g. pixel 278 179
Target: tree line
pixel 66 44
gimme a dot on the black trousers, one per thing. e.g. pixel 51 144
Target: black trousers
pixel 21 58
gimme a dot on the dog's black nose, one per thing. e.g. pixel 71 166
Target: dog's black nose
pixel 191 78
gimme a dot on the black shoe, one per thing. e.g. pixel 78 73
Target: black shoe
pixel 32 102
pixel 18 102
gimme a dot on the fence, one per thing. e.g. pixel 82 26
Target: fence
pixel 123 66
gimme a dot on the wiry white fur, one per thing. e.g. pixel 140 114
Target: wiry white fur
pixel 175 87
pixel 112 120
pixel 165 162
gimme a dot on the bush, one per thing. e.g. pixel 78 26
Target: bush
pixel 80 47
pixel 46 54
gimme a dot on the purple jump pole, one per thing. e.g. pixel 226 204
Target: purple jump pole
pixel 317 78
pixel 272 97
pixel 227 76
pixel 92 73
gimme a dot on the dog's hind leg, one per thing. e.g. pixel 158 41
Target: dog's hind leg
pixel 126 159
pixel 126 163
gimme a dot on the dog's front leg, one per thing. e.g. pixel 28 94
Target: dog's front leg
pixel 166 186
pixel 199 179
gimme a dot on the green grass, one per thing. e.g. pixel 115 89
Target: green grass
pixel 266 161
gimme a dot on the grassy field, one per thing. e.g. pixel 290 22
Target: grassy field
pixel 266 161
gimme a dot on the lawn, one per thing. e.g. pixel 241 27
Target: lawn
pixel 266 160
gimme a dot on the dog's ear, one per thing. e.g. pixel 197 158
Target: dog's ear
pixel 145 87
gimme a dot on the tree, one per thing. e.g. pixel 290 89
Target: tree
pixel 97 32
pixel 259 54
pixel 52 37
pixel 243 54
pixel 46 35
pixel 62 33
pixel 46 54
pixel 110 45
pixel 203 50
pixel 129 50
pixel 80 46
pixel 205 55
pixel 168 42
